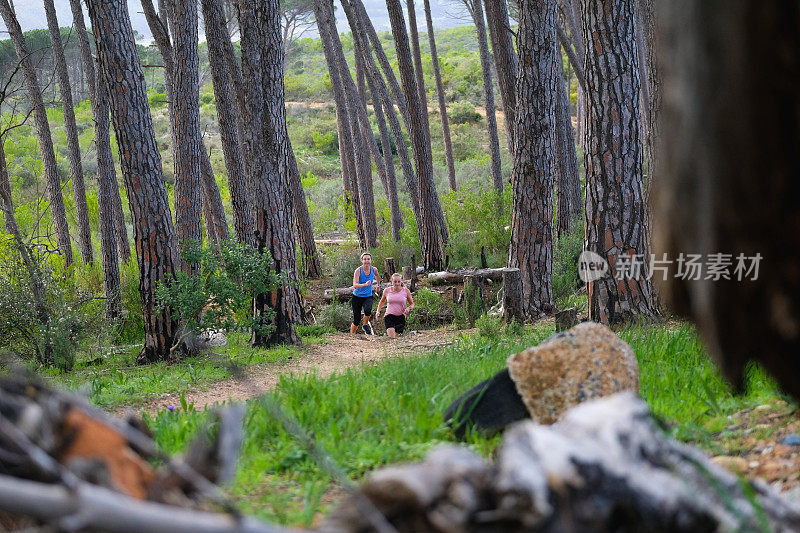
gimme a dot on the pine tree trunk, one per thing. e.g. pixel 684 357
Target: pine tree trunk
pixel 531 249
pixel 566 159
pixel 386 101
pixel 727 179
pixel 106 174
pixel 188 143
pixel 448 145
pixel 350 133
pixel 423 105
pixel 431 242
pixel 216 35
pixel 312 269
pixel 616 217
pixel 647 20
pixel 120 230
pixel 262 72
pixel 121 73
pixel 505 60
pixel 57 210
pixel 384 164
pixel 488 93
pixel 213 198
pixel 73 148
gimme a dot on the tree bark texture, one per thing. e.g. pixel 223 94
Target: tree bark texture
pixel 382 89
pixel 262 70
pixel 106 174
pixel 344 120
pixel 566 159
pixel 448 144
pixel 727 177
pixel 431 242
pixel 616 212
pixel 121 73
pixel 312 269
pixel 383 159
pixel 505 61
pixel 57 211
pixel 120 230
pixel 531 249
pixel 415 51
pixel 188 143
pixel 647 21
pixel 488 94
pixel 357 114
pixel 73 148
pixel 216 34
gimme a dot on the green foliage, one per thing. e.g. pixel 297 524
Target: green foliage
pixel 467 312
pixel 428 307
pixel 337 316
pixel 326 143
pixel 473 221
pixel 219 293
pixel 156 99
pixel 566 251
pixel 464 113
pixel 489 326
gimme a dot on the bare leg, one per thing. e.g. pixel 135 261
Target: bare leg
pixel 391 333
pixel 353 329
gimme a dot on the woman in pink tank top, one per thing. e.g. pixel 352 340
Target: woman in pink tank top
pixel 399 303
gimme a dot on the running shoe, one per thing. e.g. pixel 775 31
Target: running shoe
pixel 368 329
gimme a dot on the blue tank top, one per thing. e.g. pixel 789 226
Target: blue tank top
pixel 365 291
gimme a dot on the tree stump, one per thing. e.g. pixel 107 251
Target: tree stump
pixel 484 263
pixel 512 295
pixel 413 286
pixel 408 273
pixel 389 268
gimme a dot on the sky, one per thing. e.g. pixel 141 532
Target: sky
pixel 445 14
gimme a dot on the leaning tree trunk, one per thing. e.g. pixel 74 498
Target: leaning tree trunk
pixel 438 213
pixel 430 238
pixel 216 34
pixel 358 134
pixel 312 269
pixel 73 148
pixel 188 143
pixel 505 61
pixel 531 249
pixel 566 159
pixel 448 145
pixel 347 122
pixel 383 91
pixel 726 185
pixel 616 212
pixel 57 210
pixel 488 93
pixel 121 73
pixel 106 174
pixel 383 162
pixel 262 71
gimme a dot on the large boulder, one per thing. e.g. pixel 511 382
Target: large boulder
pixel 586 362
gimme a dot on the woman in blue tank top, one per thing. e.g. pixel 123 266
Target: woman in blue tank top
pixel 364 279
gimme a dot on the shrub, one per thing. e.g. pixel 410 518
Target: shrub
pixel 467 312
pixel 427 310
pixel 464 113
pixel 514 328
pixel 326 143
pixel 338 316
pixel 488 326
pixel 566 252
pixel 219 294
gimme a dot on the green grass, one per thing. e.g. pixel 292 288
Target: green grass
pixel 120 381
pixel 392 412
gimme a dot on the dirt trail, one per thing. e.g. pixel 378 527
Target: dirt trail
pixel 339 352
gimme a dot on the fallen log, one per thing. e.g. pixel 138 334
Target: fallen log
pixel 344 294
pixel 458 276
pixel 604 466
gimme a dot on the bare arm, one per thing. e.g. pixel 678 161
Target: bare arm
pixel 410 301
pixel 356 284
pixel 380 304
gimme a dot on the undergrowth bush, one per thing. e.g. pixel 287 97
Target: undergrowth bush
pixel 219 294
pixel 566 252
pixel 489 326
pixel 473 222
pixel 337 315
pixel 427 310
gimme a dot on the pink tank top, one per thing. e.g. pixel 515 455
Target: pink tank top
pixel 396 301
